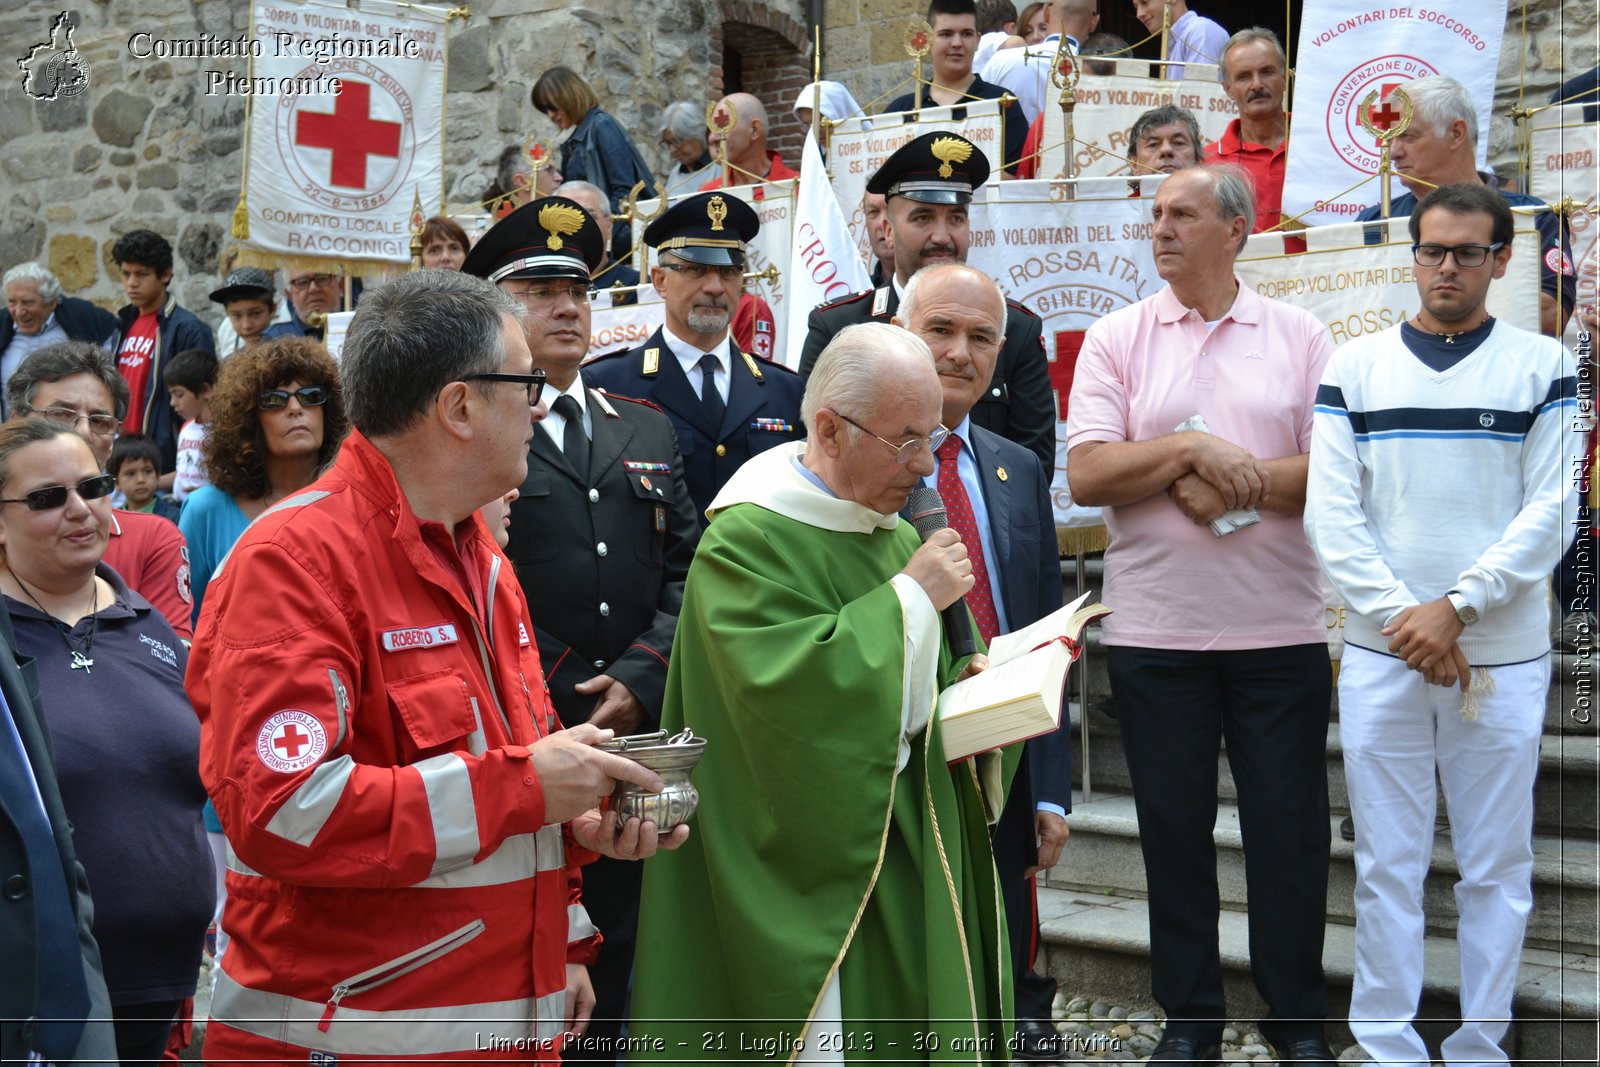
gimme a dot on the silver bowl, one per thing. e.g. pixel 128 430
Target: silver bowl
pixel 672 758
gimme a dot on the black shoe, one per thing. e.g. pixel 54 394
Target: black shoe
pixel 1187 1050
pixel 1347 829
pixel 1306 1050
pixel 1037 1039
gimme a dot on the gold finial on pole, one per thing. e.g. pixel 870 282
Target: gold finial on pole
pixel 1385 124
pixel 418 222
pixel 1064 75
pixel 919 42
pixel 537 157
pixel 816 87
pixel 1166 35
pixel 721 117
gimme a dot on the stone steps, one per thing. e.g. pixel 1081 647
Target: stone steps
pixel 1566 798
pixel 1103 857
pixel 1099 942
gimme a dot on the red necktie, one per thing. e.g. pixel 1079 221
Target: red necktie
pixel 980 599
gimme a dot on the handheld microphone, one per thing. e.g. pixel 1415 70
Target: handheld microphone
pixel 927 515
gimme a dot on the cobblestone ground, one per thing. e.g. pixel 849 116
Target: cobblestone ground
pixel 1096 1030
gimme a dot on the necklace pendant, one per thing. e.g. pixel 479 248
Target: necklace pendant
pixel 1449 338
pixel 80 660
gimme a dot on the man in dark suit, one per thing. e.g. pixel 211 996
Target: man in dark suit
pixel 928 184
pixel 997 493
pixel 602 534
pixel 725 404
pixel 53 1001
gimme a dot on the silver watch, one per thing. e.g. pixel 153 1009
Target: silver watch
pixel 1464 611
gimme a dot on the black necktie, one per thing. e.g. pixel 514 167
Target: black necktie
pixel 708 388
pixel 574 445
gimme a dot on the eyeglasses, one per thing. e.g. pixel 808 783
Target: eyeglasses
pixel 549 294
pixel 310 396
pixel 1466 255
pixel 55 496
pixel 534 382
pixel 307 281
pixel 698 271
pixel 905 453
pixel 547 109
pixel 99 425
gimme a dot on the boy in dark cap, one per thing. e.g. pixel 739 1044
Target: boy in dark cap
pixel 605 485
pixel 248 299
pixel 725 404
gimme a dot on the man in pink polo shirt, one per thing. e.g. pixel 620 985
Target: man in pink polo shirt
pixel 1255 75
pixel 1215 635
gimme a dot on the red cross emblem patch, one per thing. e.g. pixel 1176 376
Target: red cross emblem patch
pixel 291 741
pixel 353 152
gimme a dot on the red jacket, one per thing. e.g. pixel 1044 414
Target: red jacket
pixel 364 733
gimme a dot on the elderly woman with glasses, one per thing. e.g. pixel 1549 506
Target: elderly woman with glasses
pixel 683 135
pixel 127 744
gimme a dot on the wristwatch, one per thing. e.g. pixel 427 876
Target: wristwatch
pixel 1464 611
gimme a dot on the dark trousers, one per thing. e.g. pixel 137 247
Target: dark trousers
pixel 1271 706
pixel 611 896
pixel 142 1029
pixel 1015 850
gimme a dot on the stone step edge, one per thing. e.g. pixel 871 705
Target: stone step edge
pixel 1550 984
pixel 1553 860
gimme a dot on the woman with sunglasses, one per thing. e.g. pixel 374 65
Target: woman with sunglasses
pixel 127 745
pixel 598 150
pixel 277 418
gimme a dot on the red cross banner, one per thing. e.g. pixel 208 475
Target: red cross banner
pixel 346 129
pixel 1348 50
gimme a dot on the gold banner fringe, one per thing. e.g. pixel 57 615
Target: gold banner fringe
pixel 1080 540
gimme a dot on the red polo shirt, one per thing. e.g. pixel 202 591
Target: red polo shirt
pixel 1265 166
pixel 776 172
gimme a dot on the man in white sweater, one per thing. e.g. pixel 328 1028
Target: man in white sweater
pixel 1441 457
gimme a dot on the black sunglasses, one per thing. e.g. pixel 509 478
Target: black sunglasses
pixel 310 396
pixel 55 496
pixel 534 382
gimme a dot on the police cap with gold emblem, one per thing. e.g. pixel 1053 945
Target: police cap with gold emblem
pixel 708 228
pixel 936 168
pixel 549 238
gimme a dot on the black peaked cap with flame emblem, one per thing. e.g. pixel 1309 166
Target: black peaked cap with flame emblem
pixel 936 168
pixel 708 228
pixel 552 237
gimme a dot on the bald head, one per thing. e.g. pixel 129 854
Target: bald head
pixel 960 314
pixel 747 141
pixel 1076 18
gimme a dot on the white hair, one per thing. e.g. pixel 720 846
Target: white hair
pixel 1438 100
pixel 855 370
pixel 39 274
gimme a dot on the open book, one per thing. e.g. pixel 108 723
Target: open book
pixel 1020 695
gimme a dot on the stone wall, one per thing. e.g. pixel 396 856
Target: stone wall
pixel 145 146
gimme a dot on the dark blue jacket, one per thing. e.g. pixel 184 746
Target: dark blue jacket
pixel 81 320
pixel 177 330
pixel 763 409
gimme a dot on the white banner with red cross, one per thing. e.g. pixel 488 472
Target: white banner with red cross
pixel 1351 55
pixel 346 129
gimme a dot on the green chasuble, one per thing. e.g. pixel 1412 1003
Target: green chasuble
pixel 814 864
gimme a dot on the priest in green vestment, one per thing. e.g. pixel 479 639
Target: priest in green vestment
pixel 837 901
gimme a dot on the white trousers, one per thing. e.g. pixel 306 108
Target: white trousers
pixel 1395 729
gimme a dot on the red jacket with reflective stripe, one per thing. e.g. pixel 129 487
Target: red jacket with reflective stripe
pixel 364 732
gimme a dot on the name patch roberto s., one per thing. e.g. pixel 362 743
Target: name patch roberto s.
pixel 419 637
pixel 291 741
